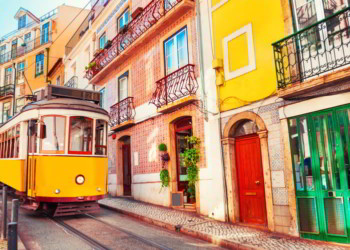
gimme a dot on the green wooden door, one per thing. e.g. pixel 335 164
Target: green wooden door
pixel 319 145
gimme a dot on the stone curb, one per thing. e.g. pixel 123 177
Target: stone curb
pixel 206 237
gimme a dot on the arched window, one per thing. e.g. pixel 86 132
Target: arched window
pixel 245 127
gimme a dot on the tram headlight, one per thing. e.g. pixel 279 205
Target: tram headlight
pixel 57 191
pixel 80 179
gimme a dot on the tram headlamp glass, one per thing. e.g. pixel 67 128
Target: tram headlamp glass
pixel 80 179
pixel 57 191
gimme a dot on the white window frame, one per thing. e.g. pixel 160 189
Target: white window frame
pixel 251 53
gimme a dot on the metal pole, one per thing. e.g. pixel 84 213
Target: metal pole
pixel 4 212
pixel 14 90
pixel 14 212
pixel 12 240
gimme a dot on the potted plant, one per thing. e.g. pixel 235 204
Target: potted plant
pixel 191 157
pixel 23 44
pixel 164 177
pixel 123 29
pixel 164 156
pixel 97 52
pixel 108 44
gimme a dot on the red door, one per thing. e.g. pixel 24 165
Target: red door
pixel 250 180
pixel 126 169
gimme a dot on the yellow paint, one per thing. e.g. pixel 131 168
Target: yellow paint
pixel 267 24
pixel 215 2
pixel 238 46
pixel 60 172
pixel 12 173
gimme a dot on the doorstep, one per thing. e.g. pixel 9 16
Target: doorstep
pixel 233 236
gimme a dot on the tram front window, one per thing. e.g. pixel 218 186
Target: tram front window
pixel 80 135
pixel 54 134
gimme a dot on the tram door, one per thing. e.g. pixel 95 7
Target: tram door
pixel 32 148
pixel 323 175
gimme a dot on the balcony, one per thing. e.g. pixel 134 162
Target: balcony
pixel 175 90
pixel 122 114
pixel 154 18
pixel 7 91
pixel 72 83
pixel 311 56
pixel 26 47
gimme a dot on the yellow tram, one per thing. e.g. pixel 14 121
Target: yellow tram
pixel 54 152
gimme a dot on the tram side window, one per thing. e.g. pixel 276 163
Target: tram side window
pixel 101 138
pixel 33 133
pixel 17 141
pixel 9 143
pixel 80 135
pixel 54 134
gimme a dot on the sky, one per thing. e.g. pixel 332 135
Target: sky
pixel 8 10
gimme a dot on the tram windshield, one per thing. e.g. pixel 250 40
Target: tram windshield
pixel 80 135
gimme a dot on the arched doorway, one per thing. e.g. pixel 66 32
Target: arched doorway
pixel 252 205
pixel 247 170
pixel 125 164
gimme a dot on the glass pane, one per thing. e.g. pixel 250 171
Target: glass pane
pixel 170 56
pixel 334 213
pixel 322 139
pixel 123 88
pixel 101 140
pixel 332 6
pixel 80 135
pixel 345 138
pixel 295 149
pixel 304 138
pixel 33 132
pixel 307 215
pixel 305 13
pixel 182 48
pixel 54 134
pixel 333 152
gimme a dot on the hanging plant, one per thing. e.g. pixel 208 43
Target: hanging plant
pixel 162 147
pixel 164 178
pixel 165 157
pixel 191 157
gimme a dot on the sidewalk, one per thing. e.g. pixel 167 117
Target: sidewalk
pixel 223 234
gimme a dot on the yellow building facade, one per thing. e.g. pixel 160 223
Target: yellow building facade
pixel 30 52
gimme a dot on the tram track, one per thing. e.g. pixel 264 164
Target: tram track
pixel 98 243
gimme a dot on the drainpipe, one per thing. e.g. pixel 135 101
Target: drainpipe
pixel 201 64
pixel 47 64
pixel 14 90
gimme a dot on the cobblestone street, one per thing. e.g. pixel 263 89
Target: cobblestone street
pixel 235 235
pixel 3 245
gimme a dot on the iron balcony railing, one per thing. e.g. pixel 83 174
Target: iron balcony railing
pixel 150 15
pixel 26 47
pixel 72 83
pixel 122 111
pixel 7 90
pixel 179 84
pixel 315 50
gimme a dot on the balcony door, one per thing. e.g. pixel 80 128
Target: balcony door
pixel 14 49
pixel 320 152
pixel 320 47
pixel 45 33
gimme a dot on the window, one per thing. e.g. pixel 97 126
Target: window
pixel 123 19
pixel 20 70
pixel 9 143
pixel 176 52
pixel 103 40
pixel 27 37
pixel 14 49
pixel 54 134
pixel 27 41
pixel 2 53
pixel 33 134
pixel 123 86
pixel 102 97
pixel 101 138
pixel 6 109
pixel 80 135
pixel 8 76
pixel 19 104
pixel 22 21
pixel 39 66
pixel 58 80
pixel 45 33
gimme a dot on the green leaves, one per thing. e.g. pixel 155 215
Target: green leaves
pixel 164 178
pixel 191 157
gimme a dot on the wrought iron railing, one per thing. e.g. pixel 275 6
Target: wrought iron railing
pixel 179 84
pixel 317 49
pixel 72 82
pixel 7 90
pixel 26 47
pixel 150 15
pixel 122 111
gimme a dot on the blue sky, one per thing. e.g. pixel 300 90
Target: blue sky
pixel 8 10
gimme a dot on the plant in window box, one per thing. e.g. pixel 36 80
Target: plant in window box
pixel 108 44
pixel 123 29
pixel 97 52
pixel 24 45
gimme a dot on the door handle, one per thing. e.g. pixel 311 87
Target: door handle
pixel 257 182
